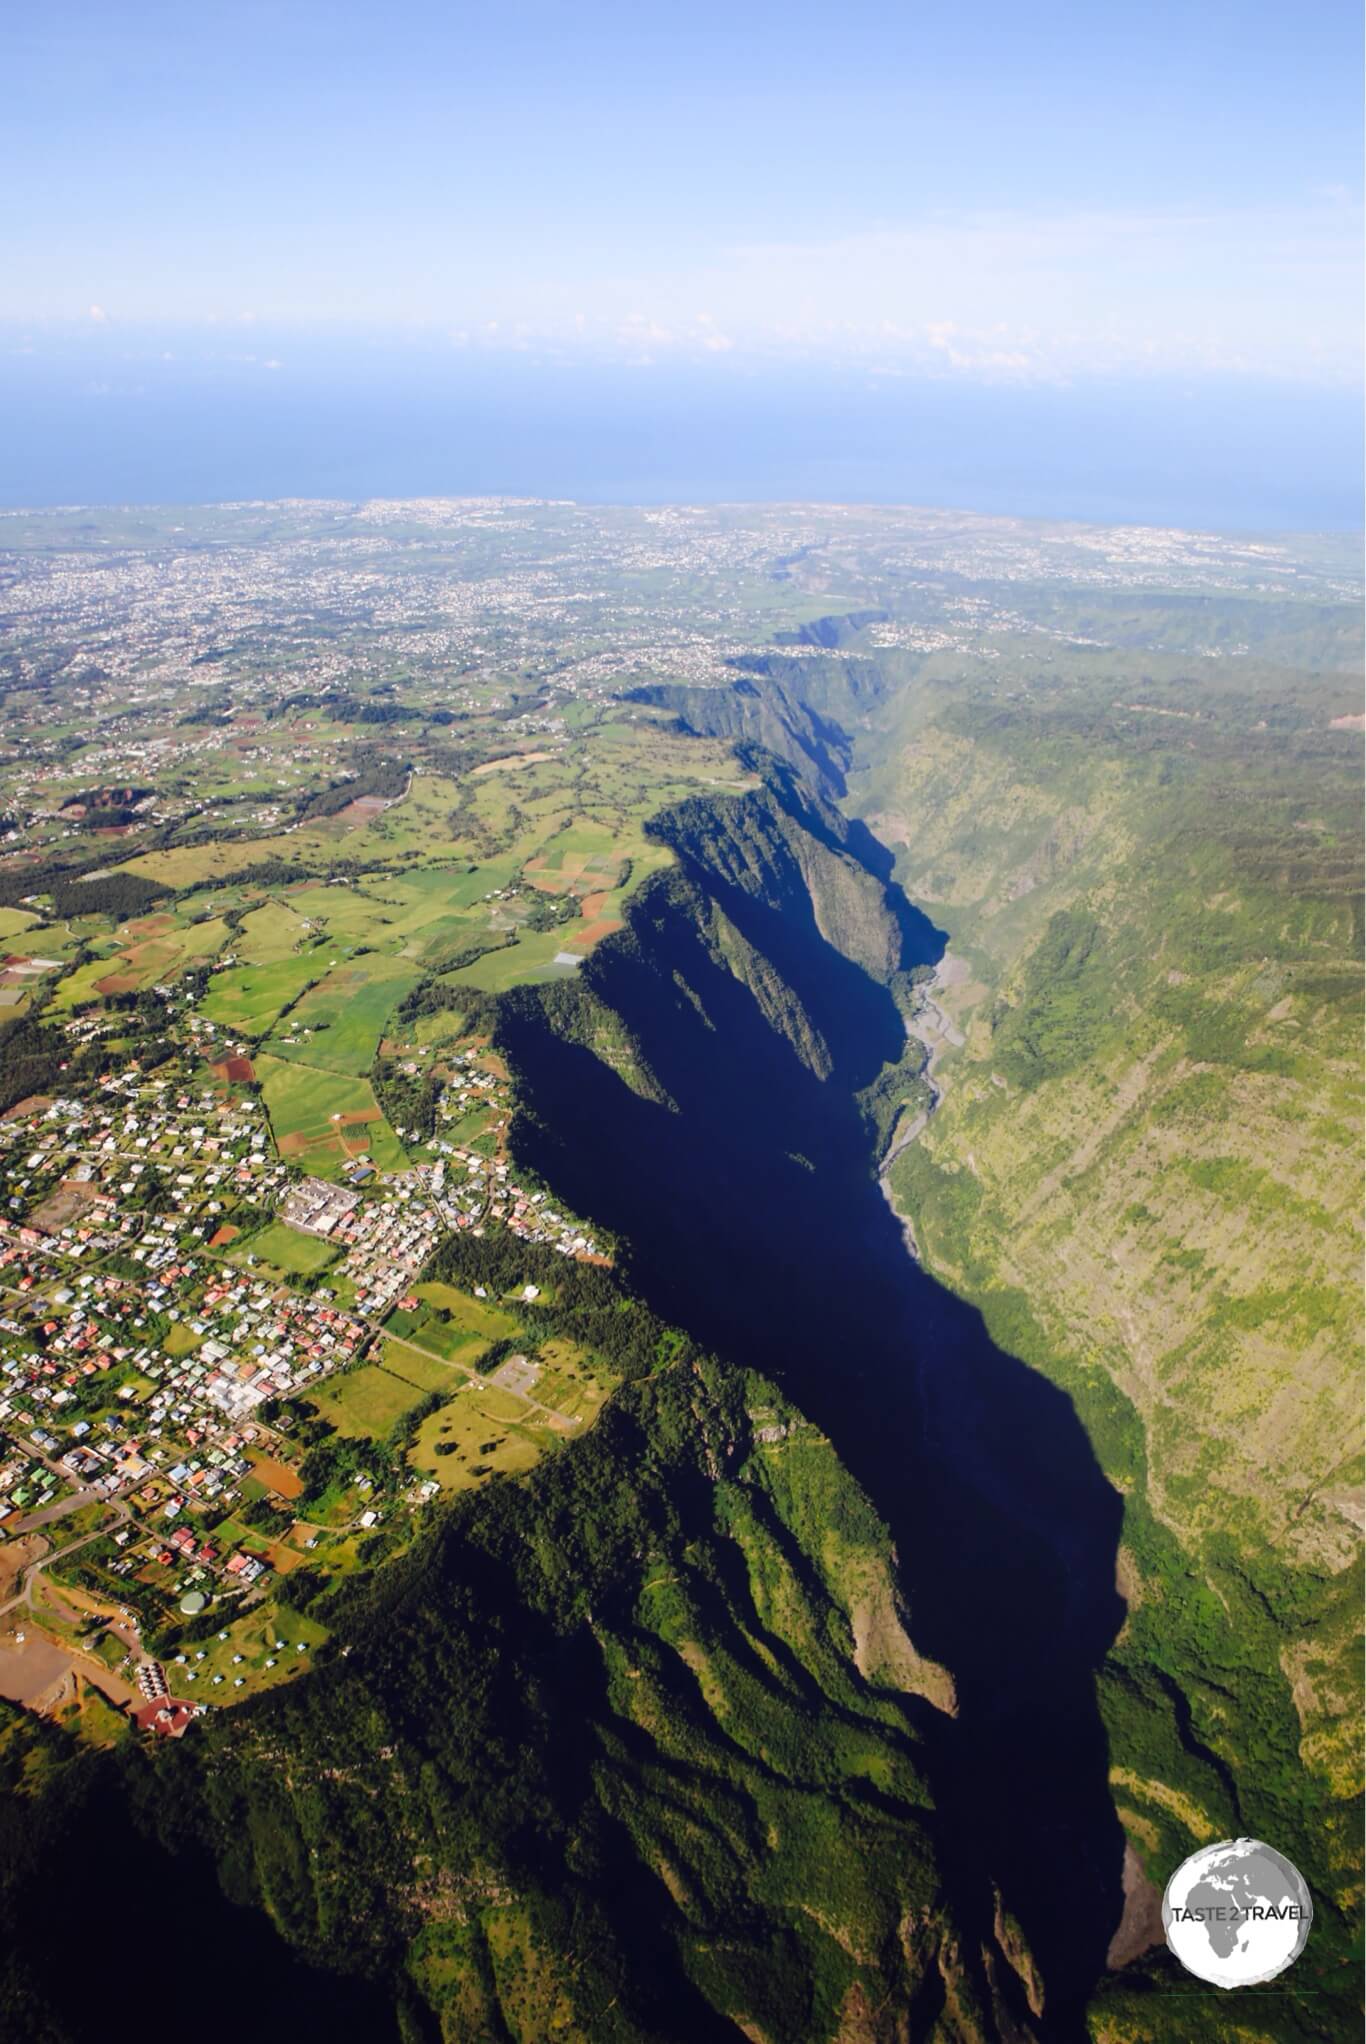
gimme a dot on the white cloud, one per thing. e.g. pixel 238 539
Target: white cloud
pixel 996 296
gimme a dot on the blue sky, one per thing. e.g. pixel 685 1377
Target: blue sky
pixel 989 190
pixel 991 196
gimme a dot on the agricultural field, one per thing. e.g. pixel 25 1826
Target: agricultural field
pixel 337 1024
pixel 147 953
pixel 323 1119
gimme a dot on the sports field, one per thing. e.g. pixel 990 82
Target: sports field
pixel 285 1249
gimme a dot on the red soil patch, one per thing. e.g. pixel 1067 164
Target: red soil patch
pixel 294 1144
pixel 286 1482
pixel 238 1070
pixel 584 940
pixel 222 1236
pixel 150 926
pixel 364 809
pixel 36 1103
pixel 153 953
pixel 118 983
pixel 593 906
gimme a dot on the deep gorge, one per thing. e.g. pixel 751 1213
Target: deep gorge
pixel 696 1090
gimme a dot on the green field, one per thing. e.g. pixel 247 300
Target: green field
pixel 425 1372
pixel 367 1401
pixel 338 1023
pixel 286 1248
pixel 247 999
pixel 253 1636
pixel 470 1316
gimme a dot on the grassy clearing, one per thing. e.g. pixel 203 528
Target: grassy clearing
pixel 253 1636
pixel 469 1316
pixel 270 933
pixel 366 1402
pixel 479 1433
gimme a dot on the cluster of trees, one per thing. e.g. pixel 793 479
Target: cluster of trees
pixel 121 895
pixel 346 708
pixel 36 1058
pixel 409 1100
pixel 431 997
pixel 1068 1005
pixel 386 778
pixel 585 1302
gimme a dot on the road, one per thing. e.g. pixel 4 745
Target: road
pixel 24 1595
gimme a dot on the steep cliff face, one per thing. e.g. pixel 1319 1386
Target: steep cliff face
pixel 700 1088
pixel 770 717
pixel 1147 1171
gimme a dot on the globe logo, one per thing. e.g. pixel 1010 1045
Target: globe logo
pixel 1237 1913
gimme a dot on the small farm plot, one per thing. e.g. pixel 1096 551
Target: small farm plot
pixel 323 1119
pixel 143 962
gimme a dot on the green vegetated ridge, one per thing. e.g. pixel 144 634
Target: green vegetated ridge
pixel 599 1758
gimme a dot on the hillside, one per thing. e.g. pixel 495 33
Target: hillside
pixel 633 1750
pixel 1146 1164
